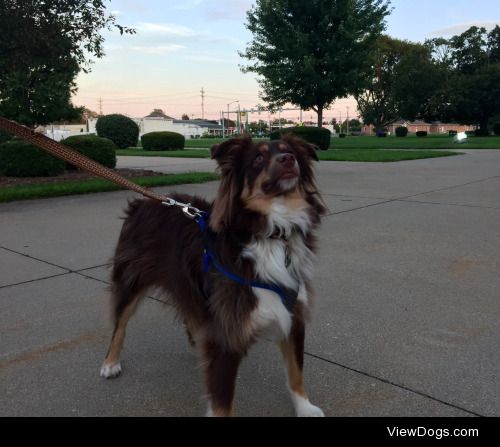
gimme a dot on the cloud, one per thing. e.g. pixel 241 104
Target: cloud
pixel 228 9
pixel 165 29
pixel 158 49
pixel 213 59
pixel 462 27
pixel 188 4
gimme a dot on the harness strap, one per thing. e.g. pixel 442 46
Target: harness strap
pixel 209 259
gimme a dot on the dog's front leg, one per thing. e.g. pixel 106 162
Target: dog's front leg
pixel 221 368
pixel 293 353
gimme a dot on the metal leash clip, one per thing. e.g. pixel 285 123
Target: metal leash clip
pixel 192 212
pixel 188 210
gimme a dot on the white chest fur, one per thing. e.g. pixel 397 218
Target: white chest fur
pixel 271 319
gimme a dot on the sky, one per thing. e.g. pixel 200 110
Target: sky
pixel 182 46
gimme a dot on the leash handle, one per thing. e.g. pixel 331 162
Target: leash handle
pixel 71 156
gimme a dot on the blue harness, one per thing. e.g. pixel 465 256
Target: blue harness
pixel 288 296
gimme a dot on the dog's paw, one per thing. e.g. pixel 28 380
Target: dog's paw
pixel 310 411
pixel 306 409
pixel 111 371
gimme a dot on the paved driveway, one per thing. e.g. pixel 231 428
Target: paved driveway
pixel 407 321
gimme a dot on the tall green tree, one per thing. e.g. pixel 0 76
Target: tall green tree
pixel 309 53
pixel 471 93
pixel 43 46
pixel 404 78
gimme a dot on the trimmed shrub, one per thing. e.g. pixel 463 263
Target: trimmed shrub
pixel 4 136
pixel 120 129
pixel 98 149
pixel 381 134
pixel 162 141
pixel 421 133
pixel 496 129
pixel 342 135
pixel 470 133
pixel 452 133
pixel 319 136
pixel 481 133
pixel 20 159
pixel 401 131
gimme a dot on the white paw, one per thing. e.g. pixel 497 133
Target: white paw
pixel 306 409
pixel 111 371
pixel 310 411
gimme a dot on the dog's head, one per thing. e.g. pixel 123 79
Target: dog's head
pixel 253 173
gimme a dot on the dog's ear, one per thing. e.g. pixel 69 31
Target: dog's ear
pixel 227 150
pixel 301 145
pixel 312 151
pixel 228 157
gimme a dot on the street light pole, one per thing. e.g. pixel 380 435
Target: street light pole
pixel 347 120
pixel 228 112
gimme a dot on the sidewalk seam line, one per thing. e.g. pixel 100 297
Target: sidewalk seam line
pixel 394 384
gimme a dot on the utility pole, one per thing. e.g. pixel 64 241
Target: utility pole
pixel 202 103
pixel 222 122
pixel 100 106
pixel 347 120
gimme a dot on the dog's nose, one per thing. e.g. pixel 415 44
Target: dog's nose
pixel 287 160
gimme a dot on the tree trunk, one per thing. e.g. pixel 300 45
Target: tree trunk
pixel 483 127
pixel 320 116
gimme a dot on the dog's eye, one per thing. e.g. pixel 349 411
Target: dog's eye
pixel 259 159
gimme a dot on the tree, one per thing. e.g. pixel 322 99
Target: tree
pixel 258 127
pixel 185 117
pixel 471 93
pixel 311 53
pixel 404 78
pixel 43 46
pixel 158 113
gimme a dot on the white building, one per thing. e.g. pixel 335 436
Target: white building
pixel 188 128
pixel 59 132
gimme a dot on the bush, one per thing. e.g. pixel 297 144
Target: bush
pixel 120 129
pixel 318 136
pixel 342 135
pixel 470 133
pixel 4 136
pixel 98 149
pixel 401 131
pixel 481 133
pixel 381 134
pixel 452 133
pixel 496 129
pixel 162 141
pixel 421 133
pixel 20 159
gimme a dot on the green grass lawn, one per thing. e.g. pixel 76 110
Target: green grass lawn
pixel 26 192
pixel 410 142
pixel 381 156
pixel 413 142
pixel 360 155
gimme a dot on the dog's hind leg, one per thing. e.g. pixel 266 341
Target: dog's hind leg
pixel 125 304
pixel 293 353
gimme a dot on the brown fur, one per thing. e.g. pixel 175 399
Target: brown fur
pixel 160 247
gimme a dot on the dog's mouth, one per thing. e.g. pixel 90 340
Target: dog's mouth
pixel 282 182
pixel 289 175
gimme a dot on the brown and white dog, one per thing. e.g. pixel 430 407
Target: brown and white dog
pixel 260 229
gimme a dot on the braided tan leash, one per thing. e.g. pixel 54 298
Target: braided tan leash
pixel 71 156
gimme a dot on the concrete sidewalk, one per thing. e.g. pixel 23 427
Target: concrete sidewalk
pixel 406 322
